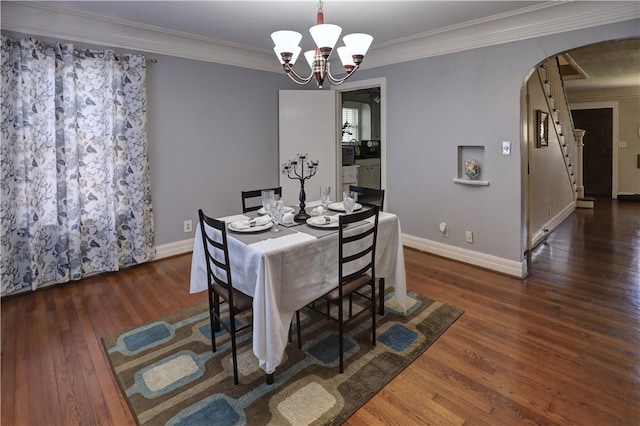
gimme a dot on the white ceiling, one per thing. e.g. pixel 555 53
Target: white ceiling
pixel 606 65
pixel 402 30
pixel 250 23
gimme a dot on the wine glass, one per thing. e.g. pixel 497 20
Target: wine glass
pixel 349 201
pixel 275 212
pixel 267 198
pixel 325 195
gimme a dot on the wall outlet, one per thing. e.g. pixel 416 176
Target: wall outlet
pixel 468 235
pixel 188 226
pixel 444 229
pixel 622 144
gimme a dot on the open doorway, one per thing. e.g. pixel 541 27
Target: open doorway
pixel 361 133
pixel 363 123
pixel 603 77
pixel 600 153
pixel 597 152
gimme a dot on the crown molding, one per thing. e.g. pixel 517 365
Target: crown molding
pixel 536 21
pixel 47 20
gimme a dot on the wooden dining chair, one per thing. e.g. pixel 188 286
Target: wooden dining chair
pixel 220 285
pixel 356 273
pixel 369 196
pixel 252 200
pixel 372 197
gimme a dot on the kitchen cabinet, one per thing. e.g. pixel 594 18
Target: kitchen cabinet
pixel 369 172
pixel 349 177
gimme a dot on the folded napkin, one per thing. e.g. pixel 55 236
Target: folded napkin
pixel 246 224
pixel 324 220
pixel 287 218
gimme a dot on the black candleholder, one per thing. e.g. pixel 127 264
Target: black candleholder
pixel 294 169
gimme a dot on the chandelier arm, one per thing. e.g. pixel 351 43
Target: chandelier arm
pixel 338 81
pixel 298 79
pixel 301 83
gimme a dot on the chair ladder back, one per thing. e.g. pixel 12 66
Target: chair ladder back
pixel 372 229
pixel 256 193
pixel 216 251
pixel 219 247
pixel 369 197
pixel 358 273
pixel 352 284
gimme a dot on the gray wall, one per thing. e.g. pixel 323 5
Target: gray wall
pixel 213 132
pixel 466 98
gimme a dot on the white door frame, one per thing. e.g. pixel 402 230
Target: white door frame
pixel 365 84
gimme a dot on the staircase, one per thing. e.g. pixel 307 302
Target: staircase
pixel 561 123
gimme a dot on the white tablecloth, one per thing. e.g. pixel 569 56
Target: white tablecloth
pixel 286 273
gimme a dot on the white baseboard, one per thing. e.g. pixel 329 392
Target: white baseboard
pixel 487 261
pixel 548 227
pixel 173 249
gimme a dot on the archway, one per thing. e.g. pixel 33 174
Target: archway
pixel 609 77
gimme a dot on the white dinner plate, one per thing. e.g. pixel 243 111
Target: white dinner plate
pixel 284 210
pixel 316 222
pixel 256 228
pixel 339 207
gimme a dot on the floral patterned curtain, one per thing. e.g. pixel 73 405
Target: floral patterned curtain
pixel 75 186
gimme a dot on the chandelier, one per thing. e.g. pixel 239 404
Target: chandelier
pixel 325 36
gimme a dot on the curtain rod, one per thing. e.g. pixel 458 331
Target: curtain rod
pixel 118 56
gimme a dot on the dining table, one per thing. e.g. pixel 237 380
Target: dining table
pixel 288 269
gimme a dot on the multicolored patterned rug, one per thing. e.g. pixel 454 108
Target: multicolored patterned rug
pixel 169 375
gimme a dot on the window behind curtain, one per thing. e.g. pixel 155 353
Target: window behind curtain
pixel 76 196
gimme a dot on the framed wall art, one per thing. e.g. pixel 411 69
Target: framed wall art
pixel 542 128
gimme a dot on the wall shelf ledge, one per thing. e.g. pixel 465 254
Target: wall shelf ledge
pixel 471 182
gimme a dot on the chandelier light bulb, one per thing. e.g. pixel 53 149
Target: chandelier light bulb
pixel 309 55
pixel 346 58
pixel 358 44
pixel 295 55
pixel 286 42
pixel 325 36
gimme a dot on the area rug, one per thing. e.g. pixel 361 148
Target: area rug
pixel 169 375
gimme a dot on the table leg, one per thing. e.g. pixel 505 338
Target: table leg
pixel 269 378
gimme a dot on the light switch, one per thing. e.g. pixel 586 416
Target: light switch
pixel 506 147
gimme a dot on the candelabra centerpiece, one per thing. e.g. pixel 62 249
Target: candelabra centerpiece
pixel 295 169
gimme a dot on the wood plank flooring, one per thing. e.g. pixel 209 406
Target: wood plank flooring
pixel 560 347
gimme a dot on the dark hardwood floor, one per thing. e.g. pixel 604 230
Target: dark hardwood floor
pixel 560 347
